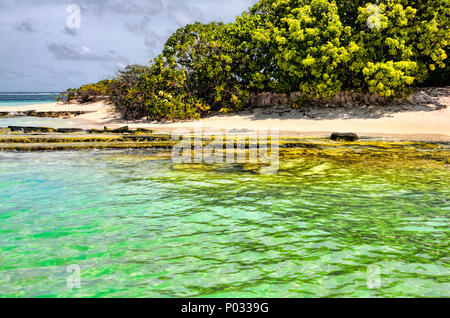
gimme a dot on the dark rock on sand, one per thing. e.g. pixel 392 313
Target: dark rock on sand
pixel 97 131
pixel 344 136
pixel 121 130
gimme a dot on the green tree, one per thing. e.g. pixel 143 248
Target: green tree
pixel 207 53
pixel 316 47
pixel 158 92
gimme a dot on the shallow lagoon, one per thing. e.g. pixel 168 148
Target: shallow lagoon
pixel 27 98
pixel 36 122
pixel 138 226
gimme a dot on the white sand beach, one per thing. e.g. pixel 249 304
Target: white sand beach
pixel 431 125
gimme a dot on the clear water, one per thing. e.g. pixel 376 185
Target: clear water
pixel 36 122
pixel 26 98
pixel 139 227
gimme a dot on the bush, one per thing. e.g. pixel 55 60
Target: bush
pixel 87 93
pixel 399 46
pixel 126 93
pixel 207 54
pixel 315 47
pixel 322 47
pixel 158 92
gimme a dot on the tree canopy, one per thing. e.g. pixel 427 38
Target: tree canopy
pixel 317 48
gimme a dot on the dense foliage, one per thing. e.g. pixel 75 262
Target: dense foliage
pixel 323 47
pixel 208 56
pixel 159 92
pixel 87 93
pixel 315 47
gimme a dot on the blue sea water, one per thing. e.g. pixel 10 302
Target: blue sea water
pixel 27 98
pixel 30 98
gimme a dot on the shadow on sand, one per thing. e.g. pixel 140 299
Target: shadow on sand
pixel 428 99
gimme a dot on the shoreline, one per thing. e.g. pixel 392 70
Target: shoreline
pixel 429 125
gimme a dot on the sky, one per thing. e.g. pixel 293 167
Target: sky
pixel 52 45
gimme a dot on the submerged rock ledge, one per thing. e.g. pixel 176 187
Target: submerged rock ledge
pixel 49 114
pixel 357 151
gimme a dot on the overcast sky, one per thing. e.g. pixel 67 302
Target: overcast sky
pixel 42 48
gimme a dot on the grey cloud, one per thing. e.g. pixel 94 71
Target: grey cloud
pixel 154 43
pixel 72 52
pixel 25 26
pixel 5 4
pixel 139 27
pixel 135 28
pixel 107 7
pixel 152 40
pixel 70 31
pixel 183 14
pixel 75 53
pixel 129 7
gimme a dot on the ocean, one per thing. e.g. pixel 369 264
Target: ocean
pixel 27 98
pixel 131 224
pixel 30 98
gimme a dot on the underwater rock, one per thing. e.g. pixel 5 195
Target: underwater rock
pixel 96 131
pixel 26 129
pixel 50 114
pixel 344 136
pixel 143 130
pixel 121 130
pixel 68 130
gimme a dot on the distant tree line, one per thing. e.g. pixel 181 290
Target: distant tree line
pixel 315 47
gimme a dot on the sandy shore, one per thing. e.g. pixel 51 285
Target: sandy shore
pixel 426 125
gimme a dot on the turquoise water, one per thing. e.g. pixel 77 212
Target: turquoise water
pixel 36 122
pixel 138 226
pixel 24 103
pixel 23 98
